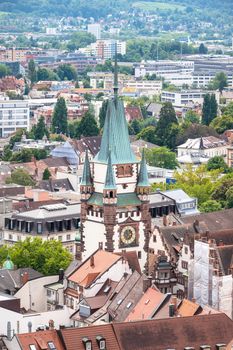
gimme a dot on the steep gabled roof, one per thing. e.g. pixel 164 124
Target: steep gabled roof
pixel 110 183
pixel 175 333
pixel 86 177
pixel 115 136
pixel 87 272
pixel 143 180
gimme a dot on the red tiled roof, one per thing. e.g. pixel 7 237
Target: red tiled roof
pixel 73 337
pixel 85 274
pixel 40 340
pixel 146 305
pixel 188 308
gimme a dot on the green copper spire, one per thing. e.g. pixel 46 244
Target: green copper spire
pixel 115 132
pixel 86 178
pixel 143 175
pixel 8 264
pixel 110 183
pixel 115 85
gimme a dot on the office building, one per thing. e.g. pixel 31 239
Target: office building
pixel 14 115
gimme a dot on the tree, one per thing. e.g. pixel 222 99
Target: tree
pixel 219 82
pixel 193 131
pixel 224 184
pixel 47 257
pixel 102 113
pixel 40 130
pixel 59 120
pixel 203 50
pixel 20 177
pixel 4 70
pixel 209 109
pixel 165 126
pixel 210 206
pixel 46 74
pixel 161 157
pixel 32 73
pixel 221 124
pixel 80 39
pixel 217 162
pixel 46 174
pixel 67 72
pixel 88 126
pixel 148 134
pixel 192 117
pixel 198 183
pixel 229 197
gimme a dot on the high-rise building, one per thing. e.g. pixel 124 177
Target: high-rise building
pixel 14 115
pixel 115 192
pixel 94 29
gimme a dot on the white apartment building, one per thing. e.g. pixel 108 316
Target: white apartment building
pixel 183 98
pixel 95 29
pixel 14 115
pixel 105 49
pixel 202 79
pixel 163 68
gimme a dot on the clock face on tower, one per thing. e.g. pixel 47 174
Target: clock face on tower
pixel 128 235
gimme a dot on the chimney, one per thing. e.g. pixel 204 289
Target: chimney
pixel 196 226
pixel 61 275
pixel 24 277
pixel 174 302
pixel 147 282
pixel 92 261
pixel 164 220
pixel 51 324
pixel 220 244
pixel 171 310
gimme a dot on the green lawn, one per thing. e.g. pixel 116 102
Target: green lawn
pixel 154 6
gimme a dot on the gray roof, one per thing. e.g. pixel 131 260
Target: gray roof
pixel 52 211
pixel 11 280
pixel 215 221
pixel 178 195
pixel 127 297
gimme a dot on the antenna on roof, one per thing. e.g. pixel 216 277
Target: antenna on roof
pixel 115 86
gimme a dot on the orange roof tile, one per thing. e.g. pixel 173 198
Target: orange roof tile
pixel 86 274
pixel 146 305
pixel 73 337
pixel 187 308
pixel 40 340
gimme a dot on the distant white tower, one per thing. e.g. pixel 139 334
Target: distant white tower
pixel 94 29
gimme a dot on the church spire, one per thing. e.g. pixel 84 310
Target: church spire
pixel 86 177
pixel 143 180
pixel 115 85
pixel 110 183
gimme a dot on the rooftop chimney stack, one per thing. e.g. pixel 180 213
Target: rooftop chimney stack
pixel 92 261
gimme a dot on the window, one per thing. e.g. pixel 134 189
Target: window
pixel 39 227
pixel 68 237
pixel 32 347
pixel 60 238
pixel 154 238
pixel 139 255
pixel 184 264
pixel 186 250
pixel 10 236
pixel 51 345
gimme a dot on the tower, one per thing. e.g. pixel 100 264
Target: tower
pixel 115 191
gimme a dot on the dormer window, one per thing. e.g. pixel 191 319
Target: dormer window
pixel 101 342
pixel 87 344
pixel 51 345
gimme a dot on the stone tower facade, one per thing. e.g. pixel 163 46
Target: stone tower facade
pixel 115 192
